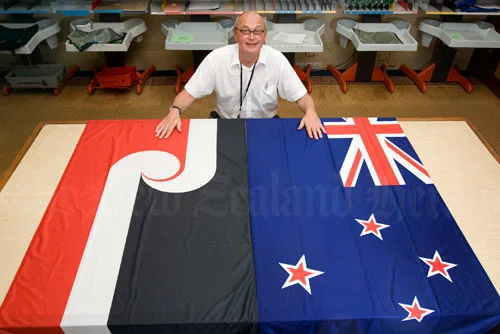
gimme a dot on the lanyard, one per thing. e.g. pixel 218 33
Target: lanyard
pixel 242 97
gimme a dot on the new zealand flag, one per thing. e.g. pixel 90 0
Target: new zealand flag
pixel 350 235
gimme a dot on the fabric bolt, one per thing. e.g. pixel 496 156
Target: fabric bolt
pixel 83 40
pixel 377 37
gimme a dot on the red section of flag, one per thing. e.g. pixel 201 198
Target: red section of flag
pixel 409 159
pixel 41 288
pixel 354 170
pixel 368 133
pixel 300 274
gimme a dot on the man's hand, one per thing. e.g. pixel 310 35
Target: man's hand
pixel 168 124
pixel 314 127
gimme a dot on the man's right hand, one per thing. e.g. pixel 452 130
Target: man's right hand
pixel 168 124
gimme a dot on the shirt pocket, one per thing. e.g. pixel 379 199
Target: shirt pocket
pixel 269 97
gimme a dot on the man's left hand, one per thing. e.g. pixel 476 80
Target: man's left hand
pixel 314 127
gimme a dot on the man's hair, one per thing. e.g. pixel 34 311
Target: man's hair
pixel 249 12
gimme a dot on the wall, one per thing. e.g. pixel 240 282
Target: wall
pixel 151 49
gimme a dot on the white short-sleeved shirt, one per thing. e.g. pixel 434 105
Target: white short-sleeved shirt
pixel 220 71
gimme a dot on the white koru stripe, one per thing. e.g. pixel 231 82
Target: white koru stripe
pixel 201 151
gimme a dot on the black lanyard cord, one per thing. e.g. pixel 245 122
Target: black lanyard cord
pixel 242 97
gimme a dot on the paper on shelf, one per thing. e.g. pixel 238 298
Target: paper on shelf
pixel 456 35
pixel 183 38
pixel 290 38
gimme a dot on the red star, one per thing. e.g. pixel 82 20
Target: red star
pixel 299 274
pixel 371 226
pixel 415 311
pixel 438 266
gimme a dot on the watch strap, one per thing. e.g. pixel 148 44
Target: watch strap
pixel 175 107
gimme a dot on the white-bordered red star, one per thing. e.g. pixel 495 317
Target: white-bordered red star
pixel 415 311
pixel 371 226
pixel 299 274
pixel 438 266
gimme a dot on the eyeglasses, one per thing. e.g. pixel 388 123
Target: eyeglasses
pixel 256 32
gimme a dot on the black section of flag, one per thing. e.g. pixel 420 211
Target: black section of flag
pixel 187 266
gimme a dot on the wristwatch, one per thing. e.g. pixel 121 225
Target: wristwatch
pixel 175 107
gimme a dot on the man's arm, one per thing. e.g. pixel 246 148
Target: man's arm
pixel 311 119
pixel 173 119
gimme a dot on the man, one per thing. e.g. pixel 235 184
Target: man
pixel 246 78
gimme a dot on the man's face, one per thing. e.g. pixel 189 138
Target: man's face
pixel 251 43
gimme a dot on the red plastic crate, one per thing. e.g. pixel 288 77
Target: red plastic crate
pixel 124 76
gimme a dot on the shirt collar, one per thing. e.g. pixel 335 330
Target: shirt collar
pixel 235 61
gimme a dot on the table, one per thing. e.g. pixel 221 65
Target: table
pixel 450 150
